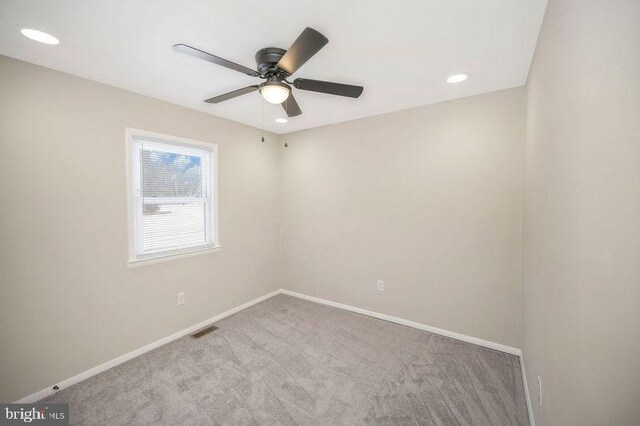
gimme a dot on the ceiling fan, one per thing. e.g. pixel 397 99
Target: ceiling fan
pixel 275 65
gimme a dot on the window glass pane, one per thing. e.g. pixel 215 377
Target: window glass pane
pixel 172 188
pixel 172 226
pixel 166 174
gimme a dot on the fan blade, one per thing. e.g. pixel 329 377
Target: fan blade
pixel 328 87
pixel 231 95
pixel 192 51
pixel 291 107
pixel 308 43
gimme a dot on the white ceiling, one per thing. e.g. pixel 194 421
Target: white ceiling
pixel 400 51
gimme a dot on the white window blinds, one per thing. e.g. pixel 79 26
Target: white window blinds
pixel 172 197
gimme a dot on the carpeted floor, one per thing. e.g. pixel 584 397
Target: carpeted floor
pixel 289 361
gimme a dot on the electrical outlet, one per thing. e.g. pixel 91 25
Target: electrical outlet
pixel 181 298
pixel 539 391
pixel 380 285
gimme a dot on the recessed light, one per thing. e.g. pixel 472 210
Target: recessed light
pixel 457 78
pixel 39 36
pixel 281 120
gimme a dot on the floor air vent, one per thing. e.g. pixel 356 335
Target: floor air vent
pixel 204 331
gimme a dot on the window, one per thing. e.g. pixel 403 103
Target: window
pixel 173 203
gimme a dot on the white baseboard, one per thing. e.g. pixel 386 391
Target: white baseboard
pixel 476 341
pixel 532 420
pixel 34 397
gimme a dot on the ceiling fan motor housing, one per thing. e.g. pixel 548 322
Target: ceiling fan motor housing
pixel 267 58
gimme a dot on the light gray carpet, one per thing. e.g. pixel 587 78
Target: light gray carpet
pixel 289 361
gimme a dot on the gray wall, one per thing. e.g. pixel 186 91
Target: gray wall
pixel 68 300
pixel 428 200
pixel 581 287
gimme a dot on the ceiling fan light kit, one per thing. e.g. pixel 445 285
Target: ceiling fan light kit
pixel 275 65
pixel 274 92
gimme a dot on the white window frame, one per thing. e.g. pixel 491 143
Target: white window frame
pixel 135 203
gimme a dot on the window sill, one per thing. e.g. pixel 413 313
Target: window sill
pixel 166 257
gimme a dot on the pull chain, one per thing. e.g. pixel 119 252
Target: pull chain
pixel 262 103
